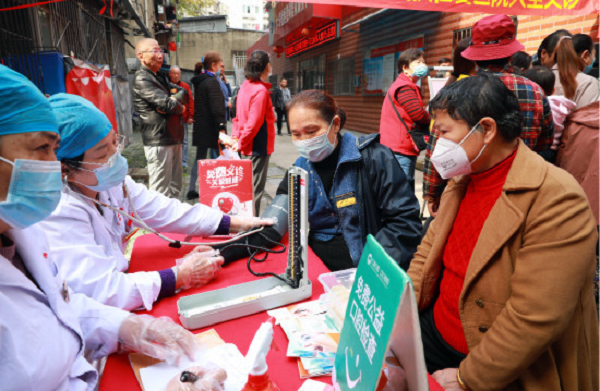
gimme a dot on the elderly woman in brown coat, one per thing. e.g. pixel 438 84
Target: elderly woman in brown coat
pixel 504 275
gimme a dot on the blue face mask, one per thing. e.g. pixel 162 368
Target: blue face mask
pixel 33 194
pixel 109 174
pixel 421 71
pixel 588 68
pixel 317 148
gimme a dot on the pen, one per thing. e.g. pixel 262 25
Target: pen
pixel 188 377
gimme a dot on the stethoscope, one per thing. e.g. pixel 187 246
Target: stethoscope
pixel 141 223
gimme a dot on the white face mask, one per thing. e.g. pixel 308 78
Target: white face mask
pixel 450 159
pixel 317 148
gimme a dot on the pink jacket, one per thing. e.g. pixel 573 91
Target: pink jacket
pixel 561 108
pixel 578 151
pixel 254 124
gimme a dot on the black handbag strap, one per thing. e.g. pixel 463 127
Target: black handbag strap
pixel 397 113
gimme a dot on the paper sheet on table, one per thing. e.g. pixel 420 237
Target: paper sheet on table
pixel 313 385
pixel 208 339
pixel 227 356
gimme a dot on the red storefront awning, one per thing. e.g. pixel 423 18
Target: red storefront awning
pixel 509 7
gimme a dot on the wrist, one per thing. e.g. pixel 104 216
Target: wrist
pixel 168 283
pixel 461 383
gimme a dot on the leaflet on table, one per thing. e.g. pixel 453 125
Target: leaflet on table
pixel 312 344
pixel 226 356
pixel 297 310
pixel 315 367
pixel 313 385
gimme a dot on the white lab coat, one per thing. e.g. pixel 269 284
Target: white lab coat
pixel 42 337
pixel 89 246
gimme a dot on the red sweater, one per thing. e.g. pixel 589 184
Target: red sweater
pixel 482 193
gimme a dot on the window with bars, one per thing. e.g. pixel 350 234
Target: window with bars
pixel 460 34
pixel 343 76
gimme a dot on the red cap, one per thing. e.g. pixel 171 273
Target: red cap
pixel 493 38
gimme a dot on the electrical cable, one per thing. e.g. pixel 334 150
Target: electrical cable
pixel 257 250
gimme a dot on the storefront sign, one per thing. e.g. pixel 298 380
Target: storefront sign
pixel 325 34
pixel 289 11
pixel 381 308
pixel 512 7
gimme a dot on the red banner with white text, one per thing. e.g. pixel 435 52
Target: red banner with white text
pixel 509 7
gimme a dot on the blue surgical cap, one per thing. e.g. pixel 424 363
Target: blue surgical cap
pixel 23 107
pixel 80 124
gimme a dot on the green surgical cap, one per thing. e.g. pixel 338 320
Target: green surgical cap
pixel 24 108
pixel 80 124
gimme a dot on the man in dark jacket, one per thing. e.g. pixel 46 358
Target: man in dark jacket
pixel 209 115
pixel 281 96
pixel 159 110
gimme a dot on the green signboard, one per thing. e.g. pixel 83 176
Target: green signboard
pixel 381 291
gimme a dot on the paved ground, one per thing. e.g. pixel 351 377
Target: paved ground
pixel 284 156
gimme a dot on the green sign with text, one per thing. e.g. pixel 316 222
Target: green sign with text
pixel 370 317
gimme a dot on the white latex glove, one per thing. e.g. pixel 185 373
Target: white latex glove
pixel 160 338
pixel 240 224
pixel 210 379
pixel 197 269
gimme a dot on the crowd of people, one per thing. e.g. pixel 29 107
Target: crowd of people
pixel 503 271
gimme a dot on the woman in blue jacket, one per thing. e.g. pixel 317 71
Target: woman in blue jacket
pixel 356 188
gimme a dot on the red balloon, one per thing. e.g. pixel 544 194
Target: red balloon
pixel 173 46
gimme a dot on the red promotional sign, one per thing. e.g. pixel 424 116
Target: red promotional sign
pixel 510 7
pixel 93 83
pixel 226 185
pixel 379 52
pixel 416 43
pixel 324 34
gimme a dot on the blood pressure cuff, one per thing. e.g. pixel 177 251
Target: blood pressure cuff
pixel 268 237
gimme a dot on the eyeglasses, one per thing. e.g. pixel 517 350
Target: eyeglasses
pixel 155 51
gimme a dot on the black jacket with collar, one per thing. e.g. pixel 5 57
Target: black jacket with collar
pixel 151 98
pixel 209 111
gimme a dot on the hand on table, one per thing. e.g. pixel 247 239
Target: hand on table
pixel 447 379
pixel 209 380
pixel 396 377
pixel 160 338
pixel 240 224
pixel 198 268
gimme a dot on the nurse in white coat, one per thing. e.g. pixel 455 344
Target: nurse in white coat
pixel 45 327
pixel 88 234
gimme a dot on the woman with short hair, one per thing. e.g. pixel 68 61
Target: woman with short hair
pixel 403 111
pixel 503 277
pixel 355 188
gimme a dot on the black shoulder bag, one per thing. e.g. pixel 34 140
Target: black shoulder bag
pixel 416 134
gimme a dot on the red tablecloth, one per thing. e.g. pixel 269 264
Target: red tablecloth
pixel 151 253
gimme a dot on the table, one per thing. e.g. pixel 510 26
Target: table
pixel 152 253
